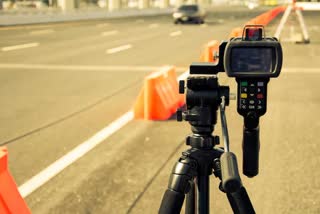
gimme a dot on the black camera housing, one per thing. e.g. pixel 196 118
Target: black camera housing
pixel 253 59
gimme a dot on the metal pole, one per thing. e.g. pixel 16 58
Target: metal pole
pixel 283 21
pixel 306 38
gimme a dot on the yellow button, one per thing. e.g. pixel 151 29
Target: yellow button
pixel 243 95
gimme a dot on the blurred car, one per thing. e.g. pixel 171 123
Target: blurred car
pixel 189 13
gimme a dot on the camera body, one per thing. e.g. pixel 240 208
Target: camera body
pixel 253 59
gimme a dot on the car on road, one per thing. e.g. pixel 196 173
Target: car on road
pixel 189 13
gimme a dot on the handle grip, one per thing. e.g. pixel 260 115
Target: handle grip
pixel 250 149
pixel 240 202
pixel 230 178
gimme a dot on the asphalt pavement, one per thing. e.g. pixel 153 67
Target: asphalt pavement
pixel 63 87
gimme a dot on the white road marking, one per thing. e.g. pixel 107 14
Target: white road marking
pixel 55 168
pixel 109 33
pixel 314 28
pixel 176 33
pixel 102 25
pixel 155 25
pixel 110 68
pixel 123 68
pixel 118 49
pixel 302 70
pixel 16 47
pixel 41 32
pixel 52 170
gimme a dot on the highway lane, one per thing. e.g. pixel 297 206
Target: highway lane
pixel 112 178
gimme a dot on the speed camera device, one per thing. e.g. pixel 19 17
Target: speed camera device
pixel 252 60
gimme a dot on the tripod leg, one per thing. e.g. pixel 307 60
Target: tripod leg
pixel 171 202
pixel 179 184
pixel 203 194
pixel 191 200
pixel 240 202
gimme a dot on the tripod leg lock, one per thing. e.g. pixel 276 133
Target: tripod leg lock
pixel 180 182
pixel 182 175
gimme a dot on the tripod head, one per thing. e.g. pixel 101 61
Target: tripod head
pixel 203 98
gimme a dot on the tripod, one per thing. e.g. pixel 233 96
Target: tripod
pixel 190 175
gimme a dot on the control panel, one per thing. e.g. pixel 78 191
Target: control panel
pixel 252 96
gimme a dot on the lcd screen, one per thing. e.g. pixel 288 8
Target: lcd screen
pixel 251 59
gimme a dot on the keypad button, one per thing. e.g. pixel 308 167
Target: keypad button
pixel 244 95
pixel 260 84
pixel 260 96
pixel 259 107
pixel 259 90
pixel 243 107
pixel 251 102
pixel 252 90
pixel 243 101
pixel 244 83
pixel 244 89
pixel 252 107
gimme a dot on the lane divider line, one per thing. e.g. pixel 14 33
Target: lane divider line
pixel 111 68
pixel 60 164
pixel 23 46
pixel 118 49
pixel 56 167
pixel 41 32
pixel 102 25
pixel 155 25
pixel 109 33
pixel 176 33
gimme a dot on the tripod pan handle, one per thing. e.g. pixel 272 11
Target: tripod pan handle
pixel 240 202
pixel 230 178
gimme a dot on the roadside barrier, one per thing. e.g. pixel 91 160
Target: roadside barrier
pixel 209 52
pixel 267 17
pixel 211 49
pixel 11 202
pixel 159 97
pixel 263 19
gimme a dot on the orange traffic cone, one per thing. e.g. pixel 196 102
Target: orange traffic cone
pixel 11 201
pixel 159 97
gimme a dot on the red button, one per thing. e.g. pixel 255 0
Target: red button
pixel 260 96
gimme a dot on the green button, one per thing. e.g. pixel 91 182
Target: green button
pixel 244 83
